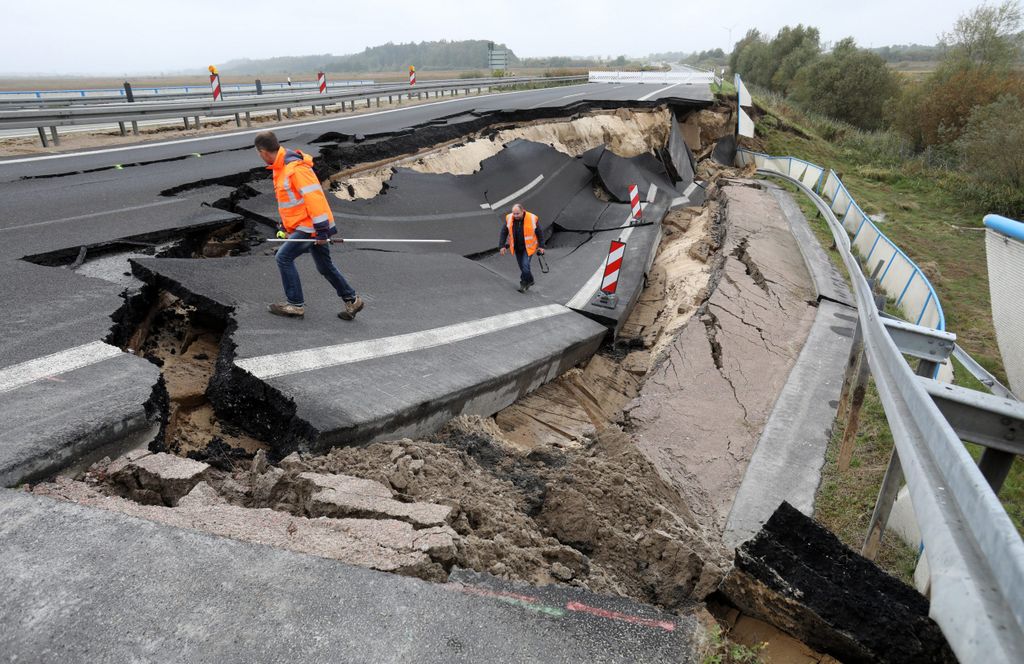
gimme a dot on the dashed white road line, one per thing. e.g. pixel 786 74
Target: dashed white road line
pixel 667 87
pixel 19 375
pixel 98 214
pixel 514 195
pixel 322 357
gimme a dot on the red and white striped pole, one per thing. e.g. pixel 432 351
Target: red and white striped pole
pixel 321 81
pixel 412 75
pixel 215 84
pixel 610 282
pixel 634 202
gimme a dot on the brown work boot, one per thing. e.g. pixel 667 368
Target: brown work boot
pixel 351 309
pixel 287 310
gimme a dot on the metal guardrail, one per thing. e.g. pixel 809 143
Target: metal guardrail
pixel 901 278
pixel 57 98
pixel 975 555
pixel 237 106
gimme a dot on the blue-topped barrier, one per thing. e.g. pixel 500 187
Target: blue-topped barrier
pixel 1006 226
pixel 900 277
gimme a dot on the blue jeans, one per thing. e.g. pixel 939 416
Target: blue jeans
pixel 286 256
pixel 525 276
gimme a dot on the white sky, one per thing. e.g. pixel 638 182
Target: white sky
pixel 142 36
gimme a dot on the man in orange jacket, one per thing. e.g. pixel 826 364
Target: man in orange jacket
pixel 305 214
pixel 522 235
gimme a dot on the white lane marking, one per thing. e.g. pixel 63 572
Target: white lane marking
pixel 19 375
pixel 515 194
pixel 648 96
pixel 652 192
pixel 96 214
pixel 583 295
pixel 551 101
pixel 299 361
pixel 256 131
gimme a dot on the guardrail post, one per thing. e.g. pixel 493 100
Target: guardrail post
pixel 135 127
pixel 198 124
pixel 248 119
pixel 259 86
pixel 120 125
pixel 891 484
pixel 187 126
pixel 53 134
pixel 42 137
pixel 858 388
pixel 995 466
pixel 238 120
pixel 289 113
pixel 278 114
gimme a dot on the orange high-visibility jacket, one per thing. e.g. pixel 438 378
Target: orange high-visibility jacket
pixel 301 201
pixel 530 222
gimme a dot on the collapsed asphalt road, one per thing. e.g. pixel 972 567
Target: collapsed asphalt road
pixel 194 200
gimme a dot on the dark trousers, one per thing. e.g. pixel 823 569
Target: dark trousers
pixel 525 275
pixel 286 256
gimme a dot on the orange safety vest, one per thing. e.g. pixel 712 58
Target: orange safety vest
pixel 301 201
pixel 530 223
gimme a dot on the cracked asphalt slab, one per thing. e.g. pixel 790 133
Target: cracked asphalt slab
pixel 169 186
pixel 440 336
pixel 165 593
pixel 717 386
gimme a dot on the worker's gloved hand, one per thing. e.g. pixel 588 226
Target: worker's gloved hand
pixel 503 251
pixel 281 235
pixel 540 250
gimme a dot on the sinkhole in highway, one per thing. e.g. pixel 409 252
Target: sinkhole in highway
pixel 549 490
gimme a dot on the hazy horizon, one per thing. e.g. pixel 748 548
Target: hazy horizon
pixel 146 38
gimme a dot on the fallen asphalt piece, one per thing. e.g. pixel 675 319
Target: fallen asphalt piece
pixel 63 391
pixel 83 583
pixel 440 336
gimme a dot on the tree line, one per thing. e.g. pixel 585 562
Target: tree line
pixel 467 54
pixel 970 108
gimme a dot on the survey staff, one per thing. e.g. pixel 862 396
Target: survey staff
pixel 305 215
pixel 522 236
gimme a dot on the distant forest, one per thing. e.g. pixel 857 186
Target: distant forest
pixel 463 55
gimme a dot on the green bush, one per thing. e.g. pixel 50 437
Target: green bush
pixel 992 143
pixel 850 84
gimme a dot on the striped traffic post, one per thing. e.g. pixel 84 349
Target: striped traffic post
pixel 321 82
pixel 215 84
pixel 607 297
pixel 634 202
pixel 412 75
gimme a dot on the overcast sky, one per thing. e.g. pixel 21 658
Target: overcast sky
pixel 141 36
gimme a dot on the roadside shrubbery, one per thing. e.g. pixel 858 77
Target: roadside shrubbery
pixel 967 116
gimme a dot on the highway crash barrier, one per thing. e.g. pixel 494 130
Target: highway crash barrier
pixel 41 118
pixel 900 277
pixel 972 563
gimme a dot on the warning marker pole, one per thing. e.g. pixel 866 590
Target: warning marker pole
pixel 215 84
pixel 412 75
pixel 610 282
pixel 321 81
pixel 634 202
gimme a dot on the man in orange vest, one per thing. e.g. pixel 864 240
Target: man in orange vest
pixel 305 214
pixel 522 235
